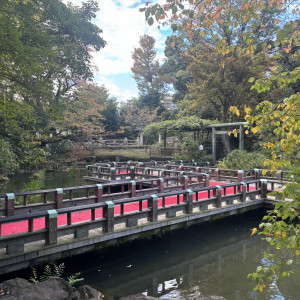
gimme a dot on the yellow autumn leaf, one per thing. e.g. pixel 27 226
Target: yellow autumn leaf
pixel 261 287
pixel 297 252
pixel 254 129
pixel 254 230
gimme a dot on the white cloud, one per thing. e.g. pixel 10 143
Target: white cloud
pixel 122 26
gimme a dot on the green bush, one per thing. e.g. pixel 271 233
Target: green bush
pixel 242 160
pixel 122 155
pixel 8 159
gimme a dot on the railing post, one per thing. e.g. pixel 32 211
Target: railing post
pixel 132 172
pixel 51 225
pixel 263 188
pixel 113 173
pixel 244 190
pixel 108 214
pixel 59 198
pixel 219 197
pixel 162 173
pixel 240 175
pixel 10 204
pixel 206 179
pixel 188 198
pixel 217 172
pixel 256 174
pixel 186 182
pixel 181 167
pixel 133 188
pixel 161 185
pixel 146 171
pixel 99 192
pixel 279 175
pixel 152 204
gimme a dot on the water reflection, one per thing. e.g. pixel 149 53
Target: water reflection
pixel 208 259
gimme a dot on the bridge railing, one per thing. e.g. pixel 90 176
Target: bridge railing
pixel 51 225
pixel 24 202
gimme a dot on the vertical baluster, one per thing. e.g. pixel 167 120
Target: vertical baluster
pixel 45 197
pixel 163 202
pixel 71 195
pixel 69 218
pixel 108 190
pixel 93 214
pixel 30 225
pixel 87 192
pixel 25 202
pixel 122 209
pixel 140 205
pixel 122 188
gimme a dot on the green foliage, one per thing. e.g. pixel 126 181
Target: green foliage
pixel 8 159
pixel 54 270
pixel 191 147
pixel 37 181
pixel 242 160
pixel 115 155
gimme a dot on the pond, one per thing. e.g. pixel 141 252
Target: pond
pixel 211 258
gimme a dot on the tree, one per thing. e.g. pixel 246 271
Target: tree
pixel 46 49
pixel 280 226
pixel 146 66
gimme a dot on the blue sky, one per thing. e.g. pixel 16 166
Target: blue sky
pixel 122 25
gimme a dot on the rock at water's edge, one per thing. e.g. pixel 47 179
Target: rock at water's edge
pixel 53 288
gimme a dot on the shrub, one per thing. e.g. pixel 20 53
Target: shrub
pixel 121 155
pixel 242 160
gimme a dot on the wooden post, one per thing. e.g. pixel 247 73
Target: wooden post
pixel 240 175
pixel 244 190
pixel 51 226
pixel 217 172
pixel 59 198
pixel 188 199
pixel 219 197
pixel 10 204
pixel 161 185
pixel 152 204
pixel 98 192
pixel 132 172
pixel 108 214
pixel 113 173
pixel 279 175
pixel 263 188
pixel 206 179
pixel 133 188
pixel 256 174
pixel 186 182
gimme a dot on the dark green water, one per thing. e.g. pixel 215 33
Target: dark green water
pixel 207 259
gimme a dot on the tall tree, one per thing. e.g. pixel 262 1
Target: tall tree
pixel 46 49
pixel 146 66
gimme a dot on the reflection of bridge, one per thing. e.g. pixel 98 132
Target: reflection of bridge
pixel 97 216
pixel 154 277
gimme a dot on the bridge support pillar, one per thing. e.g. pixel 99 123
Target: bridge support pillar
pixel 51 225
pixel 108 214
pixel 152 204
